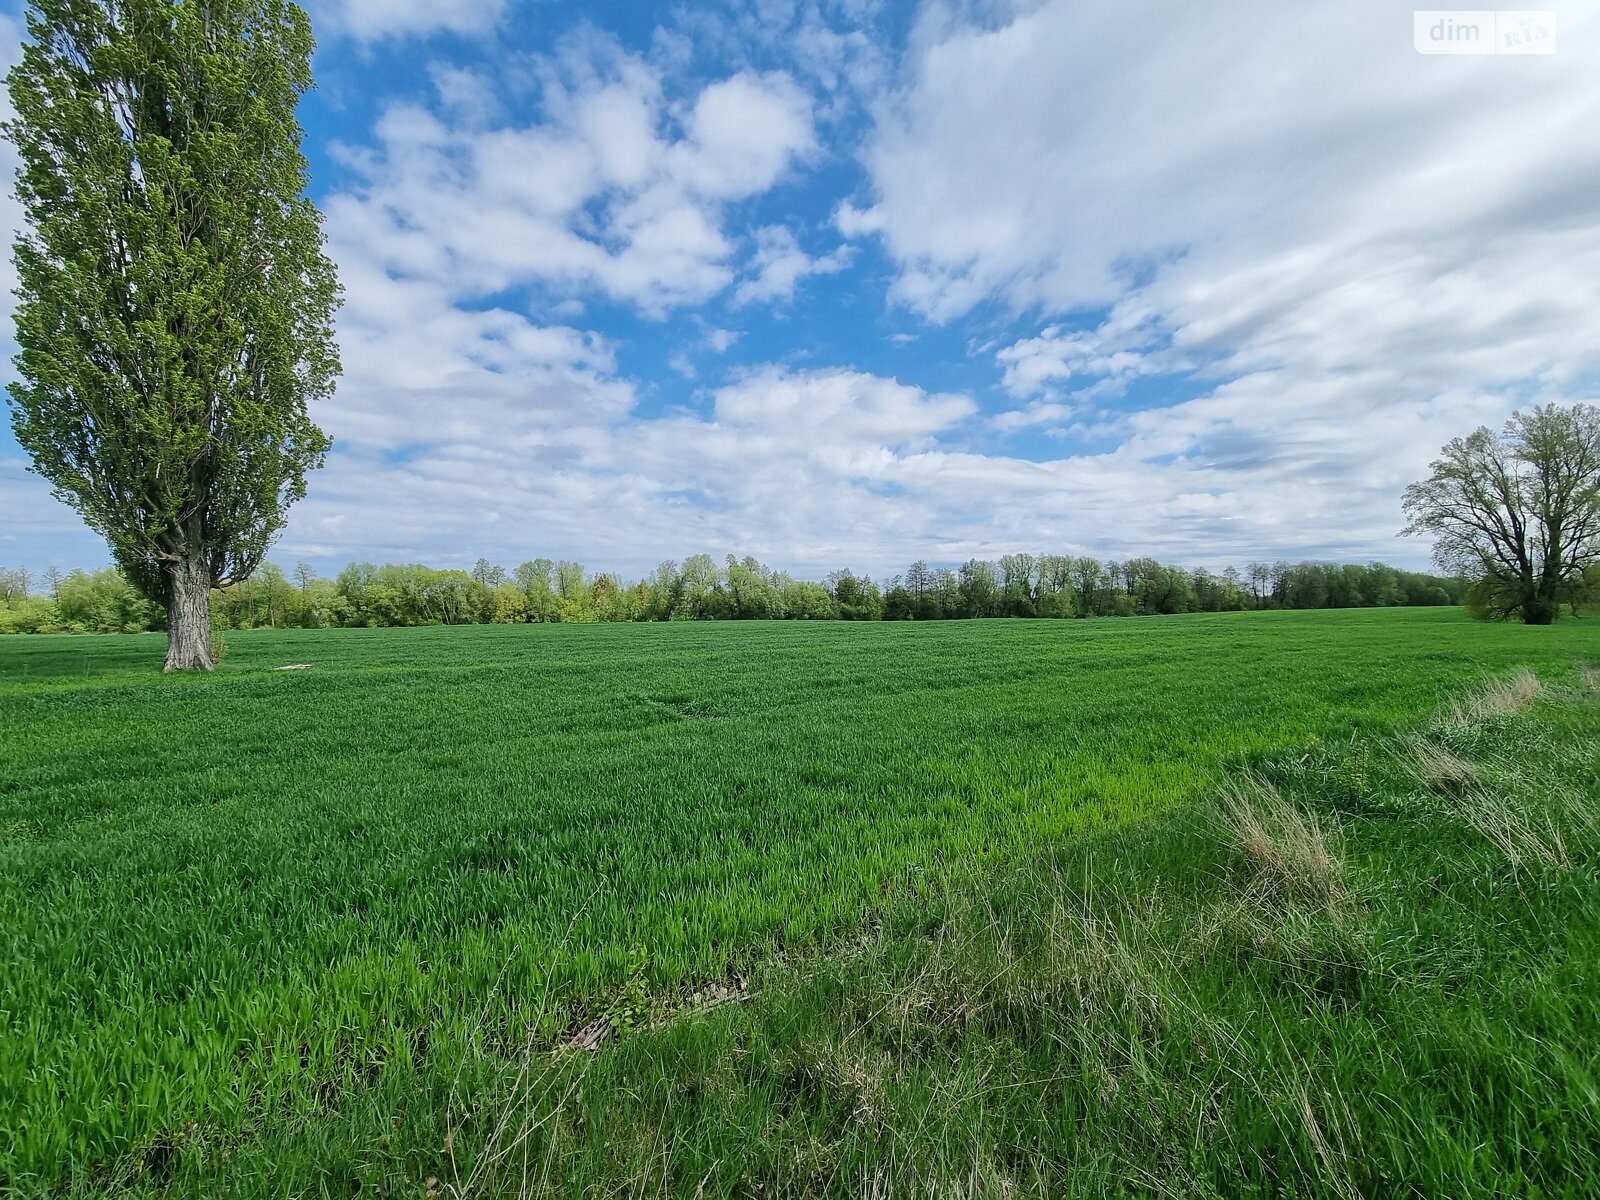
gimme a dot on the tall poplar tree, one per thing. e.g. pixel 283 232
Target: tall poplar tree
pixel 175 313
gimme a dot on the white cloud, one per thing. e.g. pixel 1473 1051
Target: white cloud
pixel 840 49
pixel 838 409
pixel 1123 348
pixel 798 466
pixel 779 265
pixel 370 20
pixel 466 95
pixel 1362 251
pixel 606 193
pixel 742 134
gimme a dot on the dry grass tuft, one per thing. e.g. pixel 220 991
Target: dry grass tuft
pixel 1439 769
pixel 1288 849
pixel 1524 840
pixel 1328 1138
pixel 856 1077
pixel 1103 968
pixel 1505 697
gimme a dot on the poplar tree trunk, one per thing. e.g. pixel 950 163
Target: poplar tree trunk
pixel 189 615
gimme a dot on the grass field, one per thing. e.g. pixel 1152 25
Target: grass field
pixel 276 918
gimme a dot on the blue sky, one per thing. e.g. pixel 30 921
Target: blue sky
pixel 843 284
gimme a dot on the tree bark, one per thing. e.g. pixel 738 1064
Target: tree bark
pixel 1536 610
pixel 189 615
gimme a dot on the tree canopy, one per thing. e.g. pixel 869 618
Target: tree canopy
pixel 1517 512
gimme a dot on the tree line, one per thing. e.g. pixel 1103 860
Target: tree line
pixel 701 589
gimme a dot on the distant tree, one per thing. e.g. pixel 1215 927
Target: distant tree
pixel 13 585
pixel 1585 595
pixel 1517 512
pixel 1018 584
pixel 175 305
pixel 275 592
pixel 665 587
pixel 570 583
pixel 105 602
pixel 857 597
pixel 804 601
pixel 919 581
pixel 1217 593
pixel 979 585
pixel 752 594
pixel 1090 584
pixel 1380 586
pixel 488 574
pixel 1053 572
pixel 898 603
pixel 1259 575
pixel 701 595
pixel 414 594
pixel 944 596
pixel 613 601
pixel 31 614
pixel 534 578
pixel 456 593
pixel 1303 585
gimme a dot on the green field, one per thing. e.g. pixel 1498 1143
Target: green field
pixel 285 907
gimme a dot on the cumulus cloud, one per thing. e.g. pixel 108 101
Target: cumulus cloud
pixel 779 264
pixel 1121 349
pixel 785 464
pixel 607 192
pixel 840 48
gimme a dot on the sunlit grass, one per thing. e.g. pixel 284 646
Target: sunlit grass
pixel 258 902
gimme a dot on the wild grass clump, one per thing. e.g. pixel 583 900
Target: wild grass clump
pixel 1506 795
pixel 1436 767
pixel 1491 704
pixel 1290 851
pixel 1525 839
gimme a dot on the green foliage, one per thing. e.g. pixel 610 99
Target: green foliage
pixel 31 614
pixel 84 602
pixel 364 595
pixel 105 602
pixel 1517 512
pixel 298 905
pixel 175 306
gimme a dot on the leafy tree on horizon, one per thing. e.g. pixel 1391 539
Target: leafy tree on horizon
pixel 1518 511
pixel 176 306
